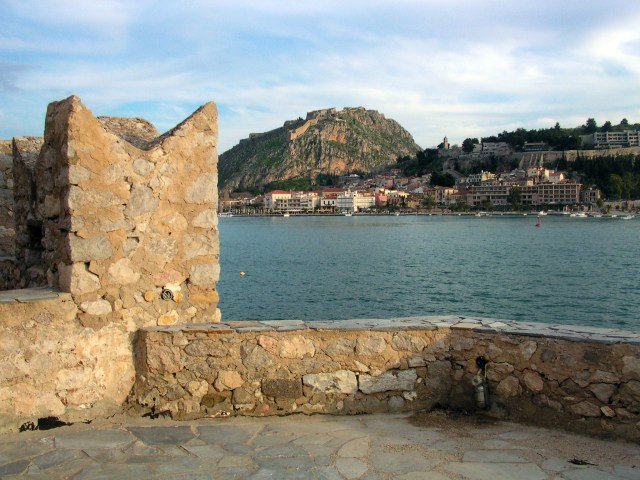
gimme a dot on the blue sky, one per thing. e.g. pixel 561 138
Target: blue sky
pixel 455 67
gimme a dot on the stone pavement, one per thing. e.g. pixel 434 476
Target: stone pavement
pixel 434 446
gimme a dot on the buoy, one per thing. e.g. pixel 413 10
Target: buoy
pixel 242 274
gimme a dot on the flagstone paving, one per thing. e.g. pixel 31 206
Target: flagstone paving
pixel 434 446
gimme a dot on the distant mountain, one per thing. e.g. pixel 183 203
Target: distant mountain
pixel 327 142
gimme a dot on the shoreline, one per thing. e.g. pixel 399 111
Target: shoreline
pixel 424 214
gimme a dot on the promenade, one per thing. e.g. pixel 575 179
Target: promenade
pixel 435 446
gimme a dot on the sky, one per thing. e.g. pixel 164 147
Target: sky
pixel 461 68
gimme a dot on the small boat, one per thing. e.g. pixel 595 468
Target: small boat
pixel 581 215
pixel 225 214
pixel 542 213
pixel 613 215
pixel 397 214
pixel 628 217
pixel 286 215
pixel 524 214
pixel 597 215
pixel 538 222
pixel 348 214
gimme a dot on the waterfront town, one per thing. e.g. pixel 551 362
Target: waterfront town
pixel 532 185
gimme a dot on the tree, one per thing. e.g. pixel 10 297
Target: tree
pixel 557 126
pixel 468 144
pixel 624 122
pixel 515 197
pixel 429 202
pixel 591 126
pixel 607 127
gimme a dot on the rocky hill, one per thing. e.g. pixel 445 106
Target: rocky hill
pixel 327 141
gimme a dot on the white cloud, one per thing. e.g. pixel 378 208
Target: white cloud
pixel 437 67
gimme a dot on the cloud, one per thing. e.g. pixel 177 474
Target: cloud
pixel 456 68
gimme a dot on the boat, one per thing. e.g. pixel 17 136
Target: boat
pixel 397 214
pixel 597 215
pixel 581 215
pixel 613 215
pixel 542 213
pixel 225 214
pixel 628 217
pixel 538 222
pixel 286 215
pixel 348 214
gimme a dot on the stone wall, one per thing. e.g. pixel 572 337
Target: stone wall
pixel 130 232
pixel 535 371
pixel 29 219
pixel 51 366
pixel 125 234
pixel 6 198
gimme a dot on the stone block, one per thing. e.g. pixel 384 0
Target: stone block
pixel 98 307
pixel 370 345
pixel 282 388
pixel 393 380
pixel 341 381
pixel 87 249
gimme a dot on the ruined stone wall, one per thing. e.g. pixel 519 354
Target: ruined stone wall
pixel 126 236
pixel 131 233
pixel 29 219
pixel 6 198
pixel 51 366
pixel 535 371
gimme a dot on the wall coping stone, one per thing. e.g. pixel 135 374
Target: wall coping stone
pixel 30 295
pixel 575 333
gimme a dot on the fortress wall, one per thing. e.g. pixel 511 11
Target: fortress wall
pixel 298 132
pixel 126 237
pixel 6 198
pixel 585 377
pixel 131 233
pixel 52 366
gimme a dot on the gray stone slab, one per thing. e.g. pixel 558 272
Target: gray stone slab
pixel 197 476
pixel 30 295
pixel 328 473
pixel 94 439
pixel 111 471
pixel 274 474
pixel 556 465
pixel 163 435
pixel 590 473
pixel 351 468
pixel 205 451
pixel 56 457
pixel 627 472
pixel 396 463
pixel 497 471
pixel 225 434
pixel 493 456
pixel 282 323
pixel 261 328
pixel 286 463
pixel 236 461
pixel 14 468
pixel 281 451
pixel 291 328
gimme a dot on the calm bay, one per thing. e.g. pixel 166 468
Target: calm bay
pixel 569 271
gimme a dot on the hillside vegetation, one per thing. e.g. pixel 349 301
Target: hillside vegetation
pixel 312 152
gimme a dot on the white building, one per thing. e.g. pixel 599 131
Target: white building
pixel 354 201
pixel 271 198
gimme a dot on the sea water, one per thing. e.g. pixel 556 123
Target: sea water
pixel 568 271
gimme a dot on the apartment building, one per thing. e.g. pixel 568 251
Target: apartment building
pixel 628 138
pixel 354 201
